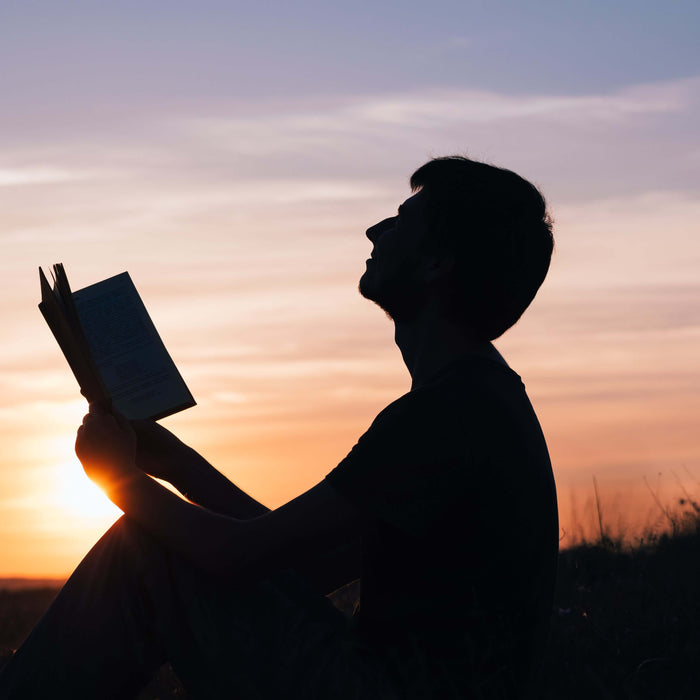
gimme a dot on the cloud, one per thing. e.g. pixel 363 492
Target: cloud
pixel 614 242
pixel 433 109
pixel 40 175
pixel 578 146
pixel 438 109
pixel 320 150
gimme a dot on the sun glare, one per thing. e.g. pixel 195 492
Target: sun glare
pixel 78 496
pixel 72 493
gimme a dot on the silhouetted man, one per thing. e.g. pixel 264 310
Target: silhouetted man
pixel 445 509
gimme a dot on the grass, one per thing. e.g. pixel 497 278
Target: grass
pixel 625 623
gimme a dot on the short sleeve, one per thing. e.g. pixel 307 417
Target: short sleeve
pixel 410 466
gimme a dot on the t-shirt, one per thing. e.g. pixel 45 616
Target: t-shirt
pixel 459 552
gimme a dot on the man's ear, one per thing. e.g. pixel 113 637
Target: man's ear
pixel 438 267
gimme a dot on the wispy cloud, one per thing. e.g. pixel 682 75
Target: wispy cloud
pixel 40 175
pixel 631 140
pixel 340 149
pixel 435 109
pixel 650 239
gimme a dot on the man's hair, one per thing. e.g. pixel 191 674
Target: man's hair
pixel 495 225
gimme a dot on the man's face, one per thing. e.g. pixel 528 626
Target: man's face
pixel 392 278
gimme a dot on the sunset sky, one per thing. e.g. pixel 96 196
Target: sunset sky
pixel 230 156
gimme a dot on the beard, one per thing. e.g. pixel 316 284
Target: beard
pixel 399 295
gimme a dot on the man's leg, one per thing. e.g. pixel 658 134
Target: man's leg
pixel 98 638
pixel 131 605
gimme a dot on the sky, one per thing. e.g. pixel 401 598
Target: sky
pixel 230 156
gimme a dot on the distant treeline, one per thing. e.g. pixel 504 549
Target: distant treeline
pixel 26 583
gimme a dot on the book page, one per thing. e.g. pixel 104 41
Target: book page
pixel 71 341
pixel 134 365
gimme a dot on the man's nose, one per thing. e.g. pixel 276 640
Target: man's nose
pixel 373 232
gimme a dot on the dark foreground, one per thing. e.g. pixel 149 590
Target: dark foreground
pixel 626 623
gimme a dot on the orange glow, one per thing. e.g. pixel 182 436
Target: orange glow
pixel 78 497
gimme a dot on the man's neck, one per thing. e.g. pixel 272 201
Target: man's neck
pixel 430 343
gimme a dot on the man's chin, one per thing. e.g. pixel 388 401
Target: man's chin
pixel 395 309
pixel 365 288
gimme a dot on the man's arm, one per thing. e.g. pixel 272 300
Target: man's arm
pixel 305 534
pixel 161 454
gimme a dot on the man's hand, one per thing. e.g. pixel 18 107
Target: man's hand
pixel 106 447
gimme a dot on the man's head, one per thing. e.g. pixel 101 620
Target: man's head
pixel 477 236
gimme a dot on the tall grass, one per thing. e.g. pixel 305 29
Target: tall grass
pixel 626 619
pixel 598 526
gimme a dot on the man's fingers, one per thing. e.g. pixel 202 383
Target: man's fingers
pixel 98 413
pixel 97 420
pixel 122 422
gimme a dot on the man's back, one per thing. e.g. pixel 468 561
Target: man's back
pixel 459 558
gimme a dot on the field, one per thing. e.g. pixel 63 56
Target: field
pixel 625 625
pixel 626 622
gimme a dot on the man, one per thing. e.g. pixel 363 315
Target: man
pixel 445 509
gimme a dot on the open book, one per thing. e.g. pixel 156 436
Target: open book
pixel 113 347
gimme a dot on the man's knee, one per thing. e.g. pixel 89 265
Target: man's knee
pixel 127 546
